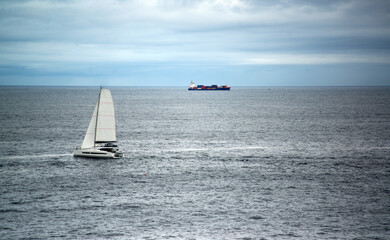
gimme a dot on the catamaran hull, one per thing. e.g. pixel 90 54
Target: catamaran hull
pixel 88 153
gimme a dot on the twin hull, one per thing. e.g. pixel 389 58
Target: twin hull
pixel 96 153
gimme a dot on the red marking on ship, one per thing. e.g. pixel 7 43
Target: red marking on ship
pixel 212 87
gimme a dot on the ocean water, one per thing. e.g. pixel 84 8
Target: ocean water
pixel 252 163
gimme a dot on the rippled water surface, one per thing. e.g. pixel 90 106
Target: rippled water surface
pixel 252 163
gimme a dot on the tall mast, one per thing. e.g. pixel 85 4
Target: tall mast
pixel 97 113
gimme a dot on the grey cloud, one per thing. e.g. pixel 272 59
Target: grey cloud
pixel 209 31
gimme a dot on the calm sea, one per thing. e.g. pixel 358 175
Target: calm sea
pixel 252 163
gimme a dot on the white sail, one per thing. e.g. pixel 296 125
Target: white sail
pixel 89 139
pixel 104 131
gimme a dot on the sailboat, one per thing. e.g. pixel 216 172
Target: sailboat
pixel 100 139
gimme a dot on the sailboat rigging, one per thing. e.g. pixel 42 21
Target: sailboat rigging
pixel 100 139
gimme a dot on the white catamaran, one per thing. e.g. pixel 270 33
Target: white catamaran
pixel 100 139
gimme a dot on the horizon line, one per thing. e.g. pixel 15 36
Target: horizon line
pixel 238 86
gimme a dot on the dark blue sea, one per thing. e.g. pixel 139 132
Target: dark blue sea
pixel 252 163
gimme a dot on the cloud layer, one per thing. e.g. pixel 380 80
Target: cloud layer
pixel 67 37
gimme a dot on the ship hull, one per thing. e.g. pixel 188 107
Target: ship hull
pixel 211 89
pixel 193 87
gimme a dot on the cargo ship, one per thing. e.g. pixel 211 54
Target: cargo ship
pixel 203 87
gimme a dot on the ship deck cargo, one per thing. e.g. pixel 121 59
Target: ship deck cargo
pixel 192 87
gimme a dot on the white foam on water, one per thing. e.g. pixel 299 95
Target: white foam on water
pixel 35 156
pixel 213 149
pixel 186 150
pixel 248 147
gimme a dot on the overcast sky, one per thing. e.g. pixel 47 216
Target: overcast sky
pixel 174 42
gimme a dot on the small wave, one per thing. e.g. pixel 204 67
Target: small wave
pixel 256 217
pixel 126 206
pixel 10 210
pixel 379 148
pixel 214 149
